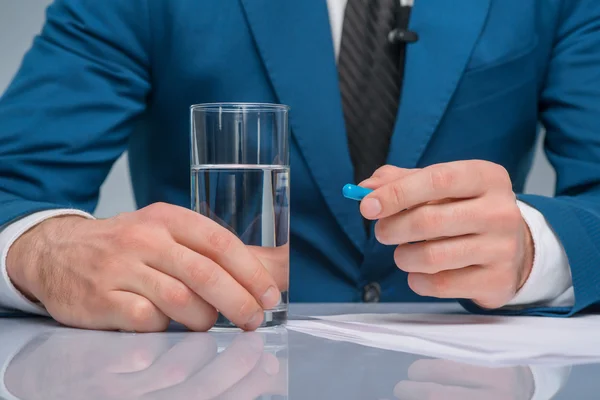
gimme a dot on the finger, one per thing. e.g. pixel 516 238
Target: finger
pixel 170 369
pixel 245 236
pixel 445 372
pixel 277 262
pixel 134 313
pixel 171 296
pixel 223 372
pixel 435 256
pixel 488 287
pixel 407 390
pixel 262 380
pixel 432 221
pixel 452 180
pixel 211 282
pixel 386 174
pixel 208 238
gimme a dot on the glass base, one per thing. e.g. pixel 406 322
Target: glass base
pixel 272 318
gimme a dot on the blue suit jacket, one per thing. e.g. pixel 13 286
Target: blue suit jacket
pixel 107 76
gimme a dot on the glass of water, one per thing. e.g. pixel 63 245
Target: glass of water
pixel 240 179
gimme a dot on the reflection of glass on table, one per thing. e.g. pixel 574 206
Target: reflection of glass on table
pixel 240 179
pixel 267 376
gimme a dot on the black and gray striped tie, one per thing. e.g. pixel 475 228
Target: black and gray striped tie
pixel 369 77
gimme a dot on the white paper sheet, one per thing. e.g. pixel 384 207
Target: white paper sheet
pixel 465 337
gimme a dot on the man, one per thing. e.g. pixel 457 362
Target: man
pixel 456 123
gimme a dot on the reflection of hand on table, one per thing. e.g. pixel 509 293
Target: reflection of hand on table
pixel 442 379
pixel 95 365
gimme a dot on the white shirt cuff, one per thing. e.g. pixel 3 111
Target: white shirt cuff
pixel 549 283
pixel 10 297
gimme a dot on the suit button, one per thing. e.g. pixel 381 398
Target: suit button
pixel 372 293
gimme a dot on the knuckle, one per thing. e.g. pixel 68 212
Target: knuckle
pixel 158 208
pixel 178 296
pixel 435 255
pixel 440 284
pixel 154 212
pixel 461 249
pixel 397 195
pixel 462 213
pixel 442 179
pixel 259 278
pixel 426 220
pixel 220 241
pixel 122 216
pixel 208 320
pixel 147 280
pixel 142 315
pixel 247 309
pixel 204 275
pixel 502 175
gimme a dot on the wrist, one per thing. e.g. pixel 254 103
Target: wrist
pixel 28 255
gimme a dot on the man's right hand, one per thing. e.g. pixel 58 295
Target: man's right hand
pixel 138 270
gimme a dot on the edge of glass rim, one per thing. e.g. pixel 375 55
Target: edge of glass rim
pixel 239 107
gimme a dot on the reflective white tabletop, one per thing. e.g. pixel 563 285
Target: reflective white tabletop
pixel 41 360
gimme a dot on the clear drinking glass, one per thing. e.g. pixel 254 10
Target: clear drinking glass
pixel 240 179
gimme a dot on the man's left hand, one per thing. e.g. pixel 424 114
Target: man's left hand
pixel 459 231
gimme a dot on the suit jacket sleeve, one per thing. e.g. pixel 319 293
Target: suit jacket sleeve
pixel 570 112
pixel 67 115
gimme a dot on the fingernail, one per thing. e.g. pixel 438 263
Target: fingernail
pixel 271 297
pixel 370 207
pixel 255 321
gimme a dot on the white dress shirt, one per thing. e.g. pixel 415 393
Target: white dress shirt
pixel 549 283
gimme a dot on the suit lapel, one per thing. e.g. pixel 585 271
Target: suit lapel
pixel 294 41
pixel 448 31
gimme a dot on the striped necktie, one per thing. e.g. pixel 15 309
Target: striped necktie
pixel 370 80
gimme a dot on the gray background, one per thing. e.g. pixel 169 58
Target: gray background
pixel 21 20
